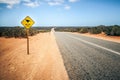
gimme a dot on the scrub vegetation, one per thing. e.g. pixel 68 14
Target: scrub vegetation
pixel 19 32
pixel 108 30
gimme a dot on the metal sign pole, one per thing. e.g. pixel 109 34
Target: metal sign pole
pixel 27 31
pixel 27 23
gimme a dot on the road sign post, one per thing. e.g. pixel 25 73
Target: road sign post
pixel 27 23
pixel 27 32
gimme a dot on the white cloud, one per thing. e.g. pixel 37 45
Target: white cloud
pixel 36 3
pixel 55 2
pixel 9 6
pixel 26 0
pixel 73 0
pixel 32 4
pixel 10 3
pixel 67 7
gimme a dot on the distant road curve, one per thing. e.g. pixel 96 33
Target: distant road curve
pixel 87 58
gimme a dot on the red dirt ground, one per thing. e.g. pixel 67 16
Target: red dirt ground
pixel 44 62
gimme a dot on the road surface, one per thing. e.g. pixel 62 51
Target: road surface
pixel 87 58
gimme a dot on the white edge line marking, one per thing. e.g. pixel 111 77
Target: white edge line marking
pixel 95 45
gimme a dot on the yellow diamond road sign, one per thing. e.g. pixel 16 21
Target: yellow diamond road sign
pixel 27 22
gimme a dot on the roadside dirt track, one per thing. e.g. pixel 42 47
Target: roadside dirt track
pixel 44 62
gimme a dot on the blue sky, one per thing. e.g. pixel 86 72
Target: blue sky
pixel 60 12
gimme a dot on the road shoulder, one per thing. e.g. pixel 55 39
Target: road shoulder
pixel 101 36
pixel 43 63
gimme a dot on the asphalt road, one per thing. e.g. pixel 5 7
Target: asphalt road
pixel 87 58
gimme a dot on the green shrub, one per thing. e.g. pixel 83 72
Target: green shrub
pixel 95 30
pixel 83 30
pixel 16 32
pixel 113 30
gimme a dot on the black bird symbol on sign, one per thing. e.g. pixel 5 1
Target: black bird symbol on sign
pixel 27 20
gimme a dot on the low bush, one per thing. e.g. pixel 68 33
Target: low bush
pixel 95 30
pixel 113 30
pixel 83 30
pixel 16 32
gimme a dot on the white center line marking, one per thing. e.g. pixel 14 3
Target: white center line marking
pixel 95 45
